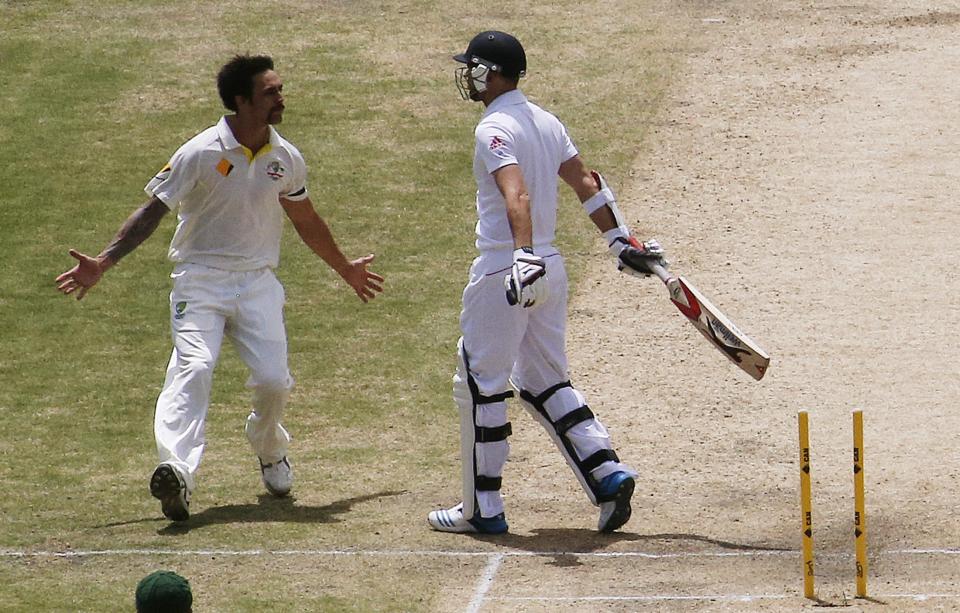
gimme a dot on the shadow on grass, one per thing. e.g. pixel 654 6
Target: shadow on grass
pixel 268 509
pixel 271 509
pixel 563 544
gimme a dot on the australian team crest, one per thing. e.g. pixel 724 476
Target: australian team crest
pixel 275 170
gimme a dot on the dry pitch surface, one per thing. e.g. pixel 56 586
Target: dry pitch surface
pixel 802 173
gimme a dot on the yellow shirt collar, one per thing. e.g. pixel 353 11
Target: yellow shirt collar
pixel 230 142
pixel 252 156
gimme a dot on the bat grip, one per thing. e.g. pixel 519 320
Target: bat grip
pixel 659 270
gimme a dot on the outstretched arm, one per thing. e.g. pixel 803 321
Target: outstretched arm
pixel 136 229
pixel 315 233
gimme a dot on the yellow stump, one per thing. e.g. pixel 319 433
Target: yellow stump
pixel 805 504
pixel 860 513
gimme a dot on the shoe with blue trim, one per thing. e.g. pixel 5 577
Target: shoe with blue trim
pixel 452 520
pixel 614 493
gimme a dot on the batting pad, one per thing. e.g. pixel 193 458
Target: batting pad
pixel 483 441
pixel 577 433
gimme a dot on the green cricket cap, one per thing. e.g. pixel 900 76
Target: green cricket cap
pixel 164 591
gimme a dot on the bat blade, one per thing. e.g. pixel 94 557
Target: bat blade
pixel 715 326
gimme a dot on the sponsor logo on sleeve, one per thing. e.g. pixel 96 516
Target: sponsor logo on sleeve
pixel 498 147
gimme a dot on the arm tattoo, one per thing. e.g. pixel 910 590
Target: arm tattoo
pixel 136 229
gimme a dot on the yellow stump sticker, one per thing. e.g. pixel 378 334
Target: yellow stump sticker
pixel 860 513
pixel 805 505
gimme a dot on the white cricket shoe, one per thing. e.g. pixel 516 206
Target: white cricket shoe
pixel 452 520
pixel 277 477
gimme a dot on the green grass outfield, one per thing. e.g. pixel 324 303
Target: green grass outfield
pixel 94 97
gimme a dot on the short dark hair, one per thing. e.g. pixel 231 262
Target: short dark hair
pixel 236 77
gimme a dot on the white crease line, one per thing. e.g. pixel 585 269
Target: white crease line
pixel 483 585
pixel 10 553
pixel 650 598
pixel 947 552
pixel 398 553
pixel 494 564
pixel 920 597
pixel 710 597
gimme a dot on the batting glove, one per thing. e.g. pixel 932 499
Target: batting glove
pixel 521 283
pixel 634 257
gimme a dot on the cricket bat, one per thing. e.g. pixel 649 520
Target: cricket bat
pixel 714 325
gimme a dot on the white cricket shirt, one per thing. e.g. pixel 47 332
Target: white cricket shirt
pixel 514 130
pixel 227 198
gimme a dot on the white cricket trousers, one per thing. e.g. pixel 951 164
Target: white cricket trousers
pixel 507 342
pixel 206 304
pixel 503 344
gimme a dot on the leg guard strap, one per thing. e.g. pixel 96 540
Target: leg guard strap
pixel 481 399
pixel 598 458
pixel 567 440
pixel 487 484
pixel 572 418
pixel 539 400
pixel 492 435
pixel 564 423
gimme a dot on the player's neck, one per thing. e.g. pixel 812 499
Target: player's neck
pixel 252 134
pixel 492 94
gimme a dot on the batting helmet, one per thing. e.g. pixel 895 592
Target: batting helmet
pixel 498 51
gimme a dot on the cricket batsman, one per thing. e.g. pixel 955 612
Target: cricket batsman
pixel 513 320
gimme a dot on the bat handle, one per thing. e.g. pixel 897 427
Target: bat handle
pixel 659 270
